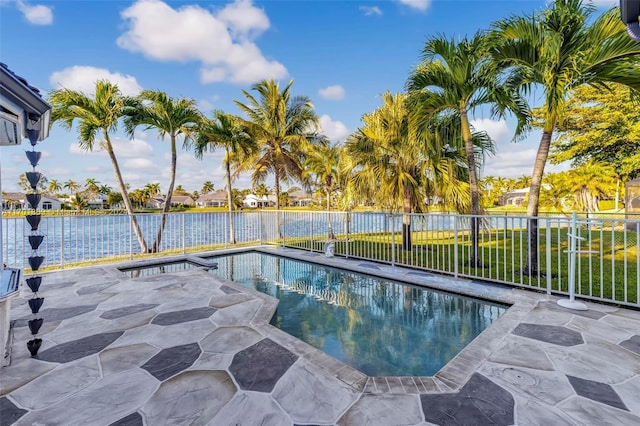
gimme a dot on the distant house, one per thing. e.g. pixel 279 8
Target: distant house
pixel 97 202
pixel 301 198
pixel 155 203
pixel 214 199
pixel 517 197
pixel 14 201
pixel 182 200
pixel 253 201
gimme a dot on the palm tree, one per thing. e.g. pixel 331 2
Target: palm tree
pixel 591 181
pixel 559 50
pixel 391 160
pixel 455 78
pixel 78 202
pixel 322 162
pixel 96 116
pixel 523 181
pixel 153 189
pixel 282 126
pixel 207 187
pixel 170 117
pixel 72 186
pixel 104 189
pixel 555 190
pixel 262 190
pixel 54 186
pixel 228 132
pixel 91 185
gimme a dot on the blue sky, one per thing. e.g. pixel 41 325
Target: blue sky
pixel 342 54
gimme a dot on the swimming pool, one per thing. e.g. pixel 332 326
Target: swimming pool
pixel 380 327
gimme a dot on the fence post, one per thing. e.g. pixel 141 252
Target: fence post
pixel 312 248
pixel 130 237
pixel 393 240
pixel 281 232
pixel 548 252
pixel 62 242
pixel 455 245
pixel 346 235
pixel 184 235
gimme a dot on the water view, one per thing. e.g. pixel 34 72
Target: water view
pixel 380 327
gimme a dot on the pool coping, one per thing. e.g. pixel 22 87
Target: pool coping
pixel 449 379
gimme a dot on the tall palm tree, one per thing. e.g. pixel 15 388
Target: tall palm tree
pixel 72 186
pixel 92 186
pixel 54 186
pixel 322 163
pixel 392 160
pixel 170 117
pixel 455 78
pixel 282 126
pixel 558 50
pixel 97 116
pixel 207 187
pixel 228 132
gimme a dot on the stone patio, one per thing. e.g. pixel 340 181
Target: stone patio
pixel 190 348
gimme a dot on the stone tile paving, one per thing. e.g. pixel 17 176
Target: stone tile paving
pixel 189 348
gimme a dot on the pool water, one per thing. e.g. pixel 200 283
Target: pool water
pixel 165 268
pixel 380 327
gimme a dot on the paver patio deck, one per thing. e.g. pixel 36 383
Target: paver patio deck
pixel 190 348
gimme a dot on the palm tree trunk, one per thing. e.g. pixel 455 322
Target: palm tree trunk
pixel 532 266
pixel 123 191
pixel 330 235
pixel 406 220
pixel 232 235
pixel 473 186
pixel 167 203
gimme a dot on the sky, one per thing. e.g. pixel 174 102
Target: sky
pixel 341 54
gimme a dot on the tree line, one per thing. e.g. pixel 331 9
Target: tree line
pixel 418 145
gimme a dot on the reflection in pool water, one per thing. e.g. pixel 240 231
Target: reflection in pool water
pixel 165 268
pixel 380 327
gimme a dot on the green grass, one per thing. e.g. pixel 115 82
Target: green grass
pixel 596 277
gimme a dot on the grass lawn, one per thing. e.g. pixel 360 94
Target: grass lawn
pixel 503 256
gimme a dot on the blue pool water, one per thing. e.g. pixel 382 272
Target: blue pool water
pixel 380 327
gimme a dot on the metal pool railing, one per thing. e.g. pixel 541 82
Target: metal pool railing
pixel 607 255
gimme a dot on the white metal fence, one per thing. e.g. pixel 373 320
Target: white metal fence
pixel 607 258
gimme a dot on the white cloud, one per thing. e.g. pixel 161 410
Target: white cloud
pixel 334 130
pixel 498 130
pixel 140 164
pixel 123 148
pixel 220 41
pixel 334 93
pixel 421 5
pixel 244 19
pixel 36 15
pixel 371 10
pixel 83 79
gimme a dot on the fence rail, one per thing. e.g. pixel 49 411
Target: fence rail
pixel 607 258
